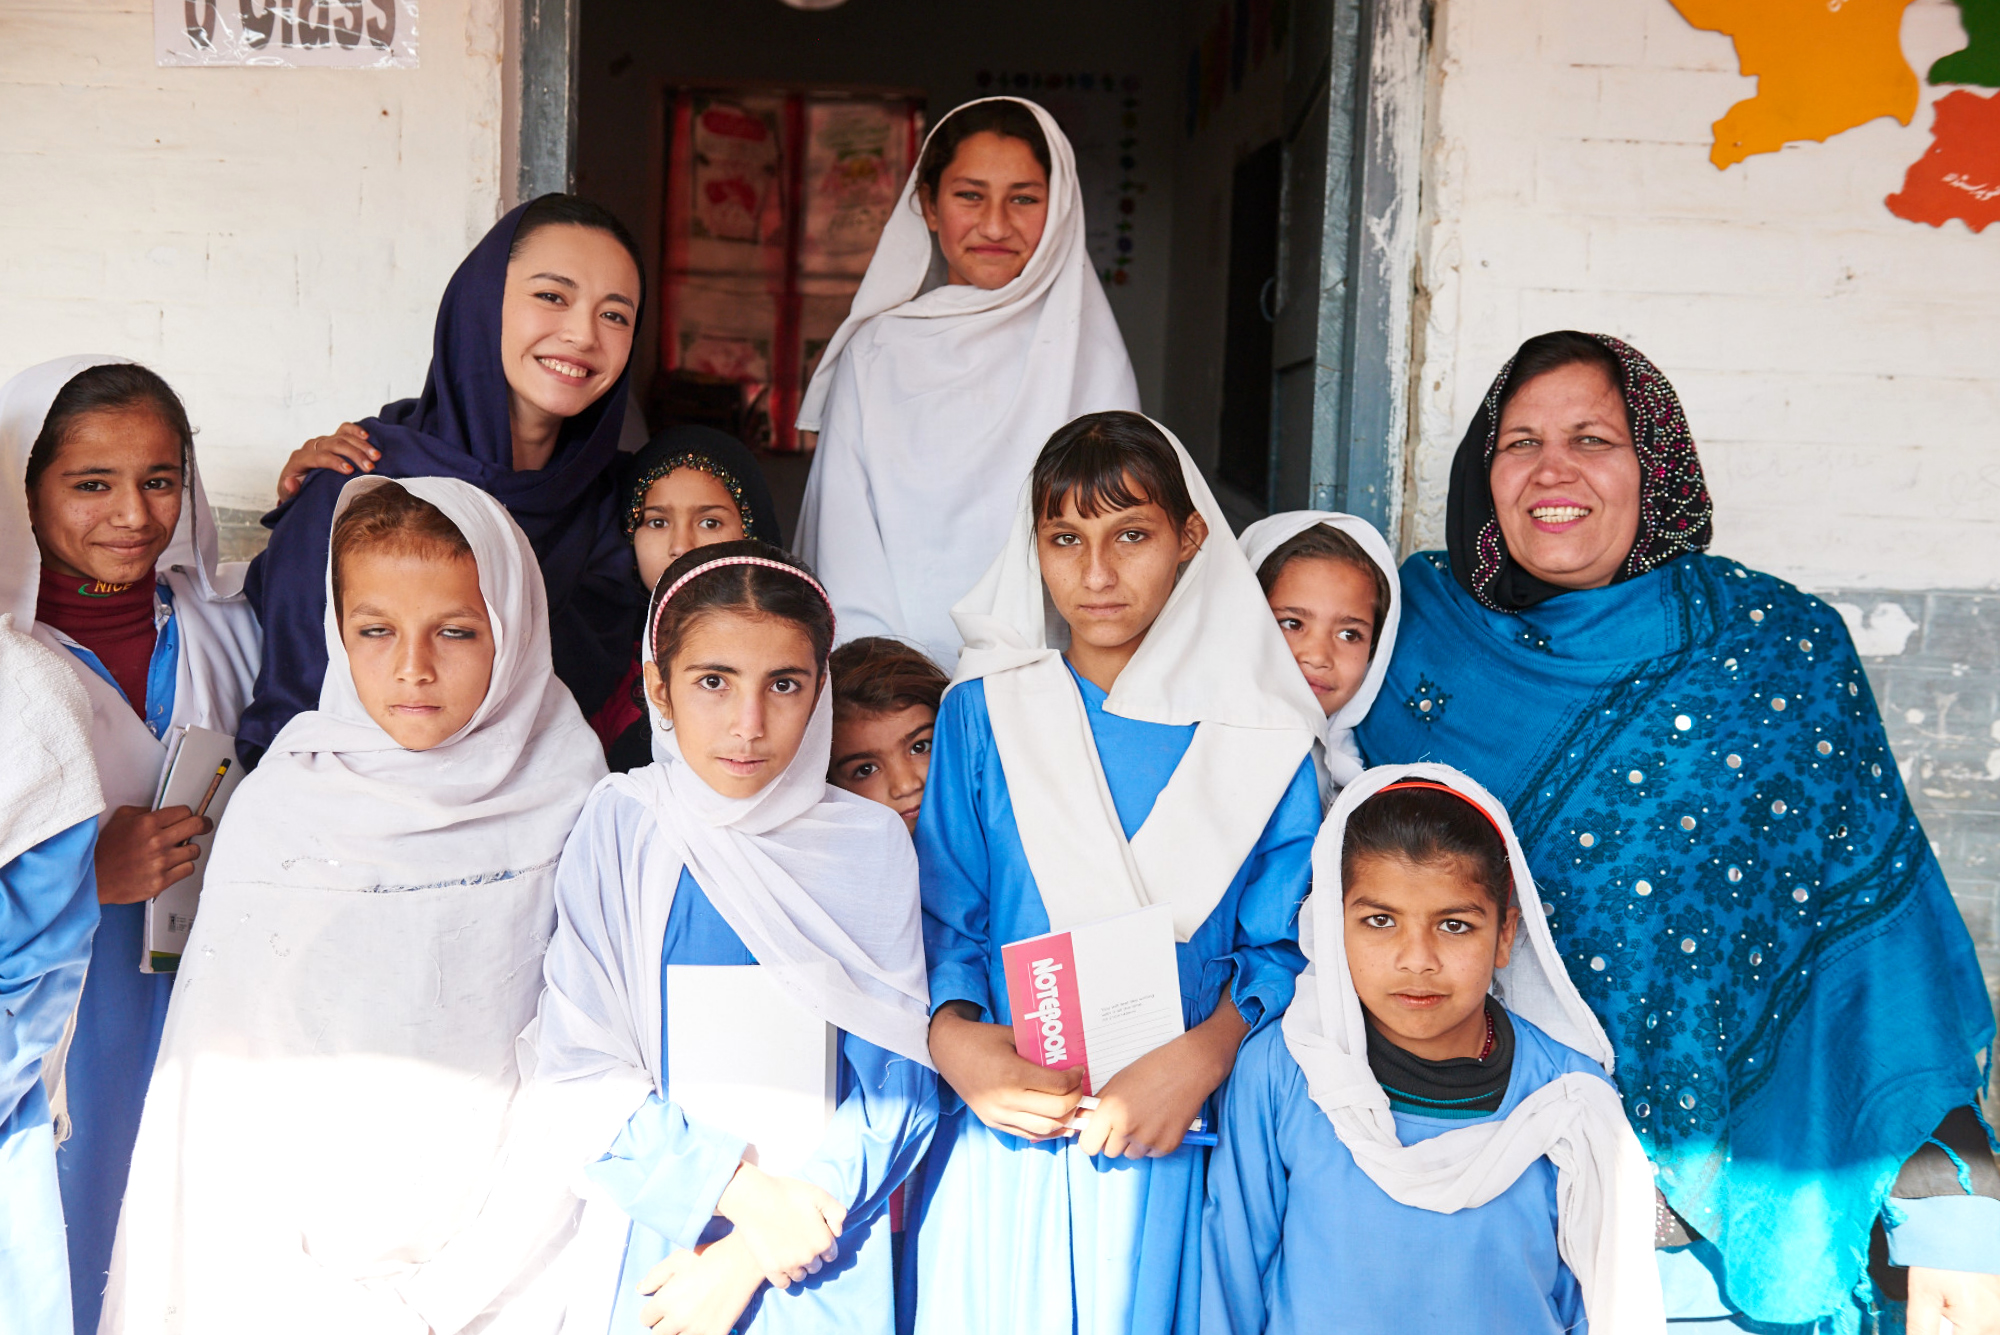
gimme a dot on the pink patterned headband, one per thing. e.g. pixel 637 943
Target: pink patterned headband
pixel 653 625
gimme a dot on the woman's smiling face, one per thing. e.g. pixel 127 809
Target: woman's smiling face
pixel 566 319
pixel 1565 477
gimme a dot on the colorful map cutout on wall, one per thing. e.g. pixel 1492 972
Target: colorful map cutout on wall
pixel 1959 175
pixel 1979 62
pixel 1820 69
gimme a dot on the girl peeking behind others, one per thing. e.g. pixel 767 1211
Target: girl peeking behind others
pixel 110 560
pixel 730 855
pixel 1331 582
pixel 327 1130
pixel 1406 1149
pixel 1147 746
pixel 885 703
pixel 690 486
pixel 979 328
pixel 524 400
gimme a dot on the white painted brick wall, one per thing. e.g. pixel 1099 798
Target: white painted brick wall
pixel 273 241
pixel 1840 366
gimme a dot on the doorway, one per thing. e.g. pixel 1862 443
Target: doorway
pixel 1202 135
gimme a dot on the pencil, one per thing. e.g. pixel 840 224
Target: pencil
pixel 213 784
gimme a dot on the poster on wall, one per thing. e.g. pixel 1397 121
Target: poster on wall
pixel 345 34
pixel 775 200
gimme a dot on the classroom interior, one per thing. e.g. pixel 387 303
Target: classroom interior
pixel 1177 113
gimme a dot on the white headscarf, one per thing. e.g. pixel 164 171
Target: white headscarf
pixel 220 641
pixel 332 1102
pixel 931 405
pixel 1214 657
pixel 1604 1184
pixel 1338 753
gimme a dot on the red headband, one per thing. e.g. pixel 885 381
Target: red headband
pixel 1442 788
pixel 653 623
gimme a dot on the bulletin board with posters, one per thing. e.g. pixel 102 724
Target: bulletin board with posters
pixel 775 199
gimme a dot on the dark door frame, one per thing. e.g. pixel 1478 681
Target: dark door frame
pixel 1354 108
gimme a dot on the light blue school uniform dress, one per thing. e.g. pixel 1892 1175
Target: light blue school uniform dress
pixel 1297 1238
pixel 667 1173
pixel 48 910
pixel 118 1026
pixel 1008 1236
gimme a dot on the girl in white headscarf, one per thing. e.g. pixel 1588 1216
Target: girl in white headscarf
pixel 732 850
pixel 979 329
pixel 1126 730
pixel 108 556
pixel 1331 582
pixel 323 1138
pixel 1407 1149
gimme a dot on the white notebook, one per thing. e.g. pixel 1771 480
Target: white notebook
pixel 200 774
pixel 745 1058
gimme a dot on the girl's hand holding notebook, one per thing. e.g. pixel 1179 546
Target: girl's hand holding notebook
pixel 1146 1110
pixel 790 1227
pixel 1005 1091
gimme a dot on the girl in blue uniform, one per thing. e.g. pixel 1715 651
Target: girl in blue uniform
pixel 109 558
pixel 1405 1152
pixel 49 800
pixel 1146 745
pixel 732 850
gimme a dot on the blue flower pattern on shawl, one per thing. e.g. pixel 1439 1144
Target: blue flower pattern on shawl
pixel 1702 785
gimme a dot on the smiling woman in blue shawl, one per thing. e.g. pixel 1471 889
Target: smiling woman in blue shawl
pixel 1731 867
pixel 524 400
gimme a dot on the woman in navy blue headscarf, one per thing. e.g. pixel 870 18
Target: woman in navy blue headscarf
pixel 1730 865
pixel 524 400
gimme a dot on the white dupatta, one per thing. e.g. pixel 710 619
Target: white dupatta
pixel 1214 657
pixel 931 403
pixel 1604 1183
pixel 327 1133
pixel 1339 756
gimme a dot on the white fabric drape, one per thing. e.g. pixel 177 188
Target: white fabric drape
pixel 50 780
pixel 335 1091
pixel 1214 657
pixel 1339 757
pixel 931 406
pixel 220 642
pixel 1604 1184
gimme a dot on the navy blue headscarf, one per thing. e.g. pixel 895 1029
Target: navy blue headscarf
pixel 459 428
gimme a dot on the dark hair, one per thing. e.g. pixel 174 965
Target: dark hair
pixel 388 518
pixel 1001 116
pixel 1551 352
pixel 116 387
pixel 555 210
pixel 1324 542
pixel 754 590
pixel 1108 462
pixel 880 675
pixel 1425 826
